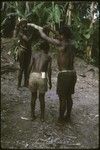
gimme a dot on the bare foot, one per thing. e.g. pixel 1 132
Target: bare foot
pixel 42 119
pixel 18 88
pixel 67 119
pixel 61 120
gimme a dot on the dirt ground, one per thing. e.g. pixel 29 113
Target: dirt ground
pixel 17 129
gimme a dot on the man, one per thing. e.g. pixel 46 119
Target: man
pixel 8 25
pixel 67 75
pixel 40 71
pixel 25 35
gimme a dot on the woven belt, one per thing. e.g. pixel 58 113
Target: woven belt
pixel 66 71
pixel 43 74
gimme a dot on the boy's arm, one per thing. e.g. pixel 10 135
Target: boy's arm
pixel 44 36
pixel 50 40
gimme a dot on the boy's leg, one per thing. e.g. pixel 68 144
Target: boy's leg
pixel 20 73
pixel 42 104
pixel 21 68
pixel 33 102
pixel 26 77
pixel 26 66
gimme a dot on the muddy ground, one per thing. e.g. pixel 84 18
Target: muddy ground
pixel 17 129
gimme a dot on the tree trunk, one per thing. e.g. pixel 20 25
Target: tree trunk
pixel 89 43
pixel 69 12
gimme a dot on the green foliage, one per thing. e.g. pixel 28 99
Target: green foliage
pixel 55 13
pixel 43 12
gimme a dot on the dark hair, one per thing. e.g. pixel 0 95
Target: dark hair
pixel 44 45
pixel 66 32
pixel 22 21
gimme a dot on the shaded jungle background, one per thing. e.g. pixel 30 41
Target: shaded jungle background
pixel 17 129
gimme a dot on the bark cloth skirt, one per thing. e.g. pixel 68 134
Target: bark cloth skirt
pixel 66 82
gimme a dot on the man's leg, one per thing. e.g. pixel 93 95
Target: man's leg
pixel 62 108
pixel 27 58
pixel 42 104
pixel 33 102
pixel 69 107
pixel 20 73
pixel 26 77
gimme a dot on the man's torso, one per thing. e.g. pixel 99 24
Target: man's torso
pixel 65 57
pixel 28 33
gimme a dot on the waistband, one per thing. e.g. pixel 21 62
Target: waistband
pixel 39 72
pixel 42 74
pixel 67 71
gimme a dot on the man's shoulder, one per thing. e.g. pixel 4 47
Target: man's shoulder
pixel 31 28
pixel 70 44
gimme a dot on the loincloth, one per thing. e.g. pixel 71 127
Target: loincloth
pixel 38 82
pixel 66 82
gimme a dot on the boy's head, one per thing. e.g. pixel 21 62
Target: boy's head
pixel 66 32
pixel 45 46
